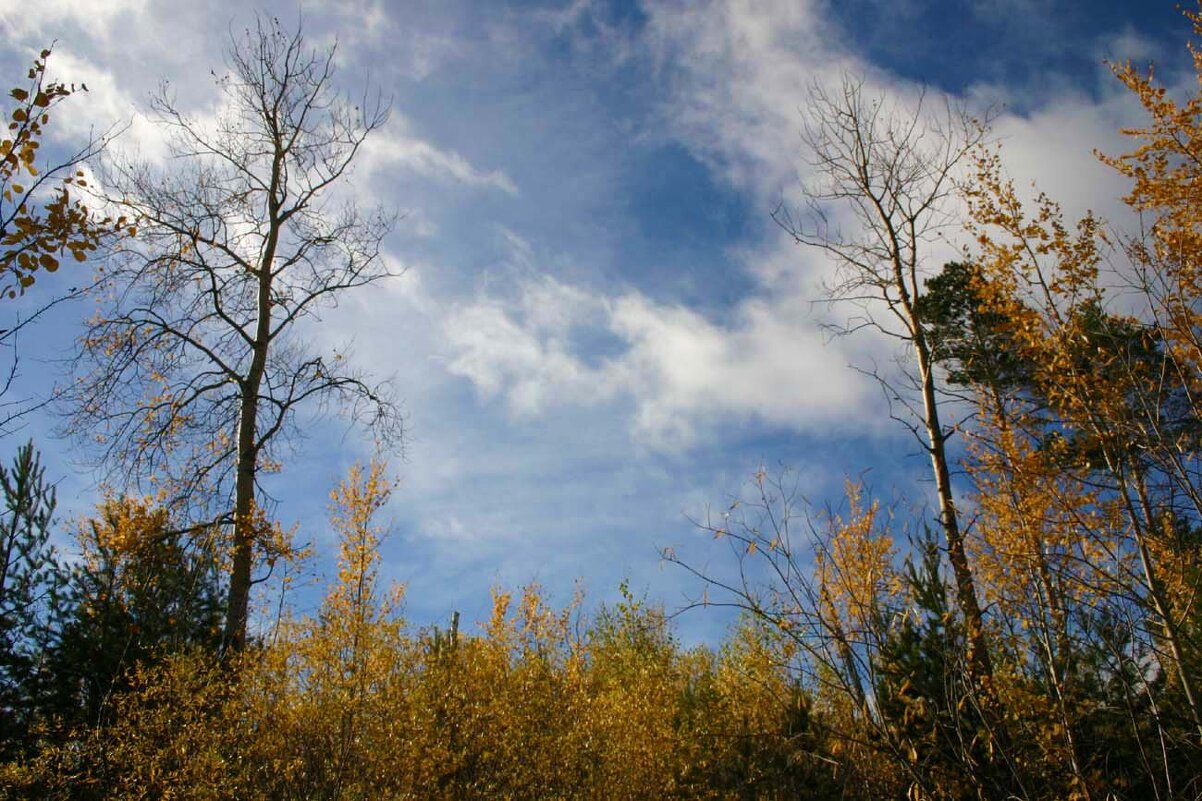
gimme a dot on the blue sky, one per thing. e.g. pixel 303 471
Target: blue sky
pixel 600 331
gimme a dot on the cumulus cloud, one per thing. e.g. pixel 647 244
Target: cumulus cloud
pixel 767 363
pixel 679 370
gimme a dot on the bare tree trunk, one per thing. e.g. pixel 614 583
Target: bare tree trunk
pixel 980 666
pixel 894 169
pixel 194 371
pixel 245 523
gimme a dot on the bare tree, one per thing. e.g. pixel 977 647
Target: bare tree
pixel 894 169
pixel 193 370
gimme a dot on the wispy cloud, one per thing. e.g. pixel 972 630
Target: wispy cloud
pixel 19 19
pixel 395 146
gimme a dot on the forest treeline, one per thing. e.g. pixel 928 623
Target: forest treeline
pixel 1039 637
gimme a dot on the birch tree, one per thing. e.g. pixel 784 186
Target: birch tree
pixel 893 169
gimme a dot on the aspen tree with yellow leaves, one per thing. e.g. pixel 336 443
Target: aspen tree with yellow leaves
pixel 1164 170
pixel 352 650
pixel 1076 578
pixel 827 586
pixel 538 702
pixel 1103 397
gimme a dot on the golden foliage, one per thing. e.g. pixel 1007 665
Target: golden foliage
pixel 351 703
pixel 33 235
pixel 855 566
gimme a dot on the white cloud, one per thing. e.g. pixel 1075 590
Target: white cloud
pixel 21 19
pixel 395 146
pixel 680 371
pixel 738 71
pixel 105 106
pixel 1054 148
pixel 522 350
pixel 768 363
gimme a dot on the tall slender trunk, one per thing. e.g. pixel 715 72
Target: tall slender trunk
pixel 238 603
pixel 245 525
pixel 980 666
pixel 978 661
